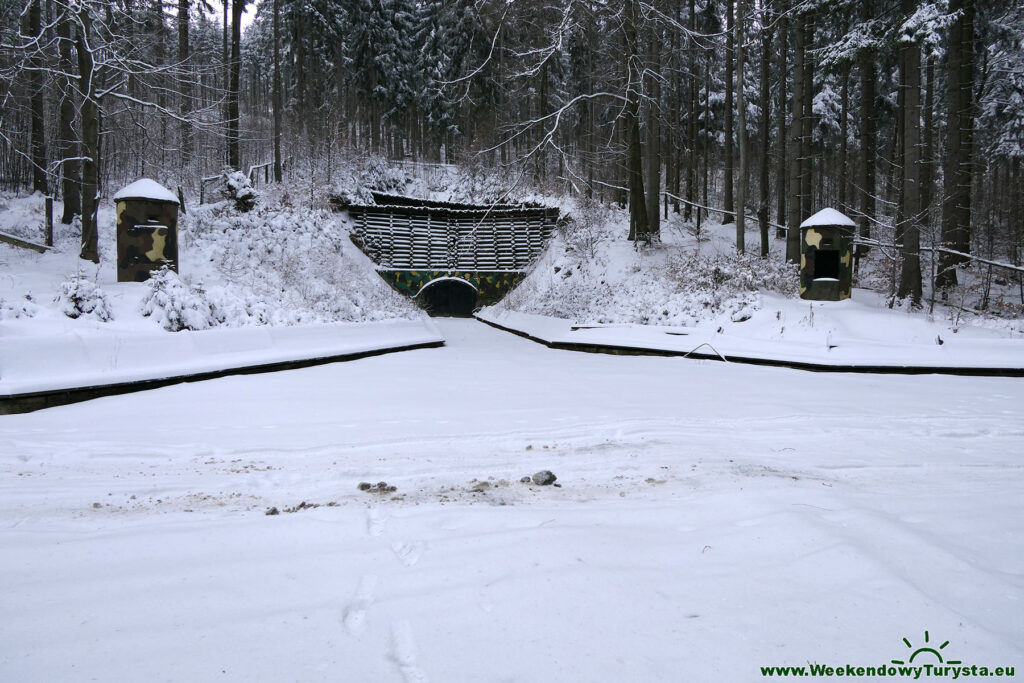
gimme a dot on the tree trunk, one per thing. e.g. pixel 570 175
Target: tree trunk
pixel 908 226
pixel 540 157
pixel 741 133
pixel 958 169
pixel 705 142
pixel 728 151
pixel 90 137
pixel 654 139
pixel 868 141
pixel 185 126
pixel 32 29
pixel 277 92
pixel 928 148
pixel 225 60
pixel 795 137
pixel 781 175
pixel 674 130
pixel 234 157
pixel 691 120
pixel 159 81
pixel 588 111
pixel 844 135
pixel 374 116
pixel 67 144
pixel 638 223
pixel 766 110
pixel 807 126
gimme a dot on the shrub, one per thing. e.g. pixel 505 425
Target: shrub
pixel 80 296
pixel 176 305
pixel 585 228
pixel 728 275
pixel 20 309
pixel 235 186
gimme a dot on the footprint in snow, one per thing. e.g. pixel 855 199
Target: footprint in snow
pixel 375 522
pixel 408 553
pixel 404 653
pixel 354 616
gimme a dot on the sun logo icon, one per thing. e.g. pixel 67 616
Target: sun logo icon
pixel 926 649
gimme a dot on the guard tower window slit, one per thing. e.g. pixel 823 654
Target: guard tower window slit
pixel 826 264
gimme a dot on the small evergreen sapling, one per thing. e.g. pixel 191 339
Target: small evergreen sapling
pixel 80 296
pixel 176 305
pixel 235 186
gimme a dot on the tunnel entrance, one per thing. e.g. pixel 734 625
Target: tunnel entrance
pixel 449 297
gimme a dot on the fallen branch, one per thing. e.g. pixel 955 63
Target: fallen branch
pixel 998 264
pixel 24 244
pixel 722 211
pixel 724 359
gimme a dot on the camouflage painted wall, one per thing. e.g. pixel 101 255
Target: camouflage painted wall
pixel 826 250
pixel 147 238
pixel 491 286
pixel 418 242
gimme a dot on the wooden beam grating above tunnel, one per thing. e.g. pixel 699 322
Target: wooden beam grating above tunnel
pixel 447 238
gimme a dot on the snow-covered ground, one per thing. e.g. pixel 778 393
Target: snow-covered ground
pixel 695 284
pixel 280 264
pixel 280 283
pixel 40 363
pixel 848 335
pixel 712 519
pixel 289 264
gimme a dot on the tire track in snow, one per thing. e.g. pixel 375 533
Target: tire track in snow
pixel 941 574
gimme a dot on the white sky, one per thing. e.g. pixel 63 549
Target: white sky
pixel 247 18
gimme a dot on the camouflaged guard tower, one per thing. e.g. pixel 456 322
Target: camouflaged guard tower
pixel 147 230
pixel 826 256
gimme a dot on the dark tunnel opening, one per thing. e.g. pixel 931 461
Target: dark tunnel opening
pixel 451 297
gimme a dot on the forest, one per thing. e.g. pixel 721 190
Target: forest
pixel 907 115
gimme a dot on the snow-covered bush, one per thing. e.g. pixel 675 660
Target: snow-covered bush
pixel 349 192
pixel 176 305
pixel 236 187
pixel 480 184
pixel 377 173
pixel 290 266
pixel 729 283
pixel 19 309
pixel 358 178
pixel 80 296
pixel 731 274
pixel 280 264
pixel 585 228
pixel 592 273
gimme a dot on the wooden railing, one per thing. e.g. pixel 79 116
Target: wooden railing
pixel 254 173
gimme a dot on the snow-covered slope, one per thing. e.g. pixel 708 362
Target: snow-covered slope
pixel 277 265
pixel 696 285
pixel 65 323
